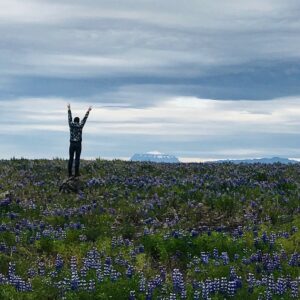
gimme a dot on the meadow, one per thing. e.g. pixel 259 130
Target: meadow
pixel 149 231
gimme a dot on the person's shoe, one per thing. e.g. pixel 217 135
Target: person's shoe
pixel 70 175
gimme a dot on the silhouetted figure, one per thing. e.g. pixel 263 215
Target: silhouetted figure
pixel 75 140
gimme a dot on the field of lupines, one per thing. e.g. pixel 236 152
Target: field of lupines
pixel 149 231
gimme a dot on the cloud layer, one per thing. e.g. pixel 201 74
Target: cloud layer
pixel 186 126
pixel 204 79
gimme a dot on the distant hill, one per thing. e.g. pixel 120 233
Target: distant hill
pixel 264 160
pixel 155 157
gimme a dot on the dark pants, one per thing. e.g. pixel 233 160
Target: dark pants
pixel 75 147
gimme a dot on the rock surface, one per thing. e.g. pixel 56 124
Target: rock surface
pixel 71 185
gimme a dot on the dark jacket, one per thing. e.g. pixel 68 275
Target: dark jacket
pixel 76 128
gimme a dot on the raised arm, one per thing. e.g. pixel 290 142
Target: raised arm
pixel 86 116
pixel 69 114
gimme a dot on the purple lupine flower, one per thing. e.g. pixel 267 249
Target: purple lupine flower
pixel 232 275
pixel 141 248
pixel 142 283
pixel 172 296
pixel 264 237
pixel 129 271
pixel 148 295
pixel 74 274
pixel 99 275
pixel 216 284
pixel 177 279
pixel 236 256
pixel 280 287
pixel 223 285
pixel 204 258
pixel 225 258
pixel 196 295
pixel 11 270
pixel 294 260
pixel 132 295
pixel 41 268
pixel 271 283
pixel 59 263
pixel 294 229
pixel 183 294
pixel 215 253
pixel 31 272
pixel 294 289
pixel 91 285
pixel 251 282
pixel 231 288
pixel 268 295
pixel 114 275
pixel 205 292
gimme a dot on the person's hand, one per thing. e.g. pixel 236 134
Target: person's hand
pixel 69 106
pixel 90 108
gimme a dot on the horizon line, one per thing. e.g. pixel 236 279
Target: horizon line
pixel 181 159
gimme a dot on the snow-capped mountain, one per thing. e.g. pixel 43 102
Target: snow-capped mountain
pixel 155 156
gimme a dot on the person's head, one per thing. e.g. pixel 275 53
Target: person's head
pixel 76 120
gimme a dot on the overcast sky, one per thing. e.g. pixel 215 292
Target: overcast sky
pixel 197 79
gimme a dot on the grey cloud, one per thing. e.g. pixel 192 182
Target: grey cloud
pixel 154 38
pixel 141 53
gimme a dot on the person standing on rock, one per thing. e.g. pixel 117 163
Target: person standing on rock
pixel 75 140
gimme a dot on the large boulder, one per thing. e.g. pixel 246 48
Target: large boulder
pixel 71 185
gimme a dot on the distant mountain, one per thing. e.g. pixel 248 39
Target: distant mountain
pixel 264 160
pixel 155 157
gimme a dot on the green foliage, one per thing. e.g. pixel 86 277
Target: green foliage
pixel 226 204
pixel 45 245
pixel 131 198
